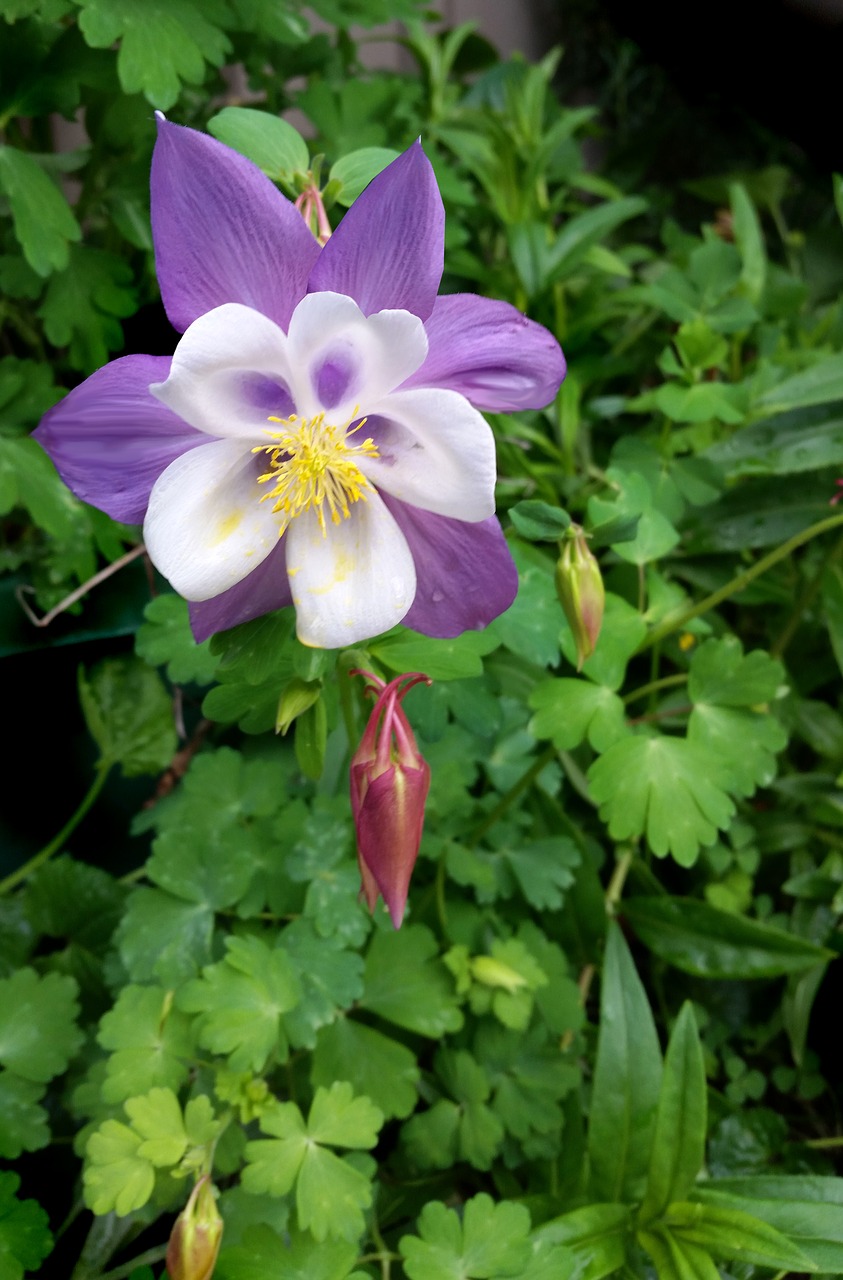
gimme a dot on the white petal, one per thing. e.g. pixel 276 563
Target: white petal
pixel 435 452
pixel 205 527
pixel 346 361
pixel 353 582
pixel 230 371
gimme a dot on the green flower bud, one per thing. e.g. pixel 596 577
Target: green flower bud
pixel 579 587
pixel 298 696
pixel 196 1235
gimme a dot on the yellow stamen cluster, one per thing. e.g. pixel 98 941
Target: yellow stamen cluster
pixel 312 463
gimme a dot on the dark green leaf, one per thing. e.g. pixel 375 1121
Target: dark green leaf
pixel 627 1078
pixel 679 1138
pixel 702 940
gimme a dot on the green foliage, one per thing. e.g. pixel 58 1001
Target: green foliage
pixel 453 1100
pixel 25 1238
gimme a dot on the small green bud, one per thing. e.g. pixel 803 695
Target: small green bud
pixel 196 1235
pixel 579 587
pixel 298 696
pixel 494 973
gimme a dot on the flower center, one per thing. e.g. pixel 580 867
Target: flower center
pixel 313 464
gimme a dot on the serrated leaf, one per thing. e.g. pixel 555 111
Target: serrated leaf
pixel 744 744
pixel 381 1068
pixel 660 787
pixel 702 940
pixel 157 1119
pixel 28 479
pixel 150 1042
pixel 23 1122
pixel 263 1255
pixel 530 627
pixel 569 711
pixel 84 304
pixel 38 1031
pixel 129 714
pixel 272 1164
pixel 544 869
pixel 116 1176
pixel 679 1137
pixel 338 1119
pixel 164 938
pixel 43 220
pixel 407 984
pixel 655 535
pixel 491 1241
pixel 272 143
pixel 331 1196
pixel 627 1078
pixel 242 1001
pixel 721 673
pixel 331 980
pixel 75 901
pixel 355 170
pixel 25 1238
pixel 736 1236
pixel 165 638
pixel 162 45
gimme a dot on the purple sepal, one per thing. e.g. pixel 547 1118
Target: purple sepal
pixel 266 589
pixel 222 231
pixel 389 824
pixel 110 439
pixel 388 251
pixel 465 575
pixel 491 354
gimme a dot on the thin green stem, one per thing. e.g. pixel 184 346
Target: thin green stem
pixel 618 880
pixel 674 622
pixel 806 598
pixel 526 779
pixel 654 686
pixel 147 1259
pixel 43 855
pixel 824 1144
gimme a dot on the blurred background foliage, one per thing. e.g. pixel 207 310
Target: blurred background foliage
pixel 646 855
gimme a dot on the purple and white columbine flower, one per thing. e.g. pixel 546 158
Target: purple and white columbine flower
pixel 315 439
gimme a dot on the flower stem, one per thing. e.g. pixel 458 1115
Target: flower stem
pixel 665 682
pixel 513 793
pixel 43 855
pixel 673 622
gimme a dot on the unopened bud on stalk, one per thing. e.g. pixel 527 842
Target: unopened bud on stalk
pixel 579 587
pixel 195 1238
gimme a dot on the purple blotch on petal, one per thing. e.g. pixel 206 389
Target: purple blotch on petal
pixel 465 575
pixel 491 353
pixel 266 589
pixel 388 251
pixel 222 231
pixel 270 394
pixel 331 380
pixel 110 439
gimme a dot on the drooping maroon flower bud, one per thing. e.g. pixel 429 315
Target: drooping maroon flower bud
pixel 389 785
pixel 196 1235
pixel 581 593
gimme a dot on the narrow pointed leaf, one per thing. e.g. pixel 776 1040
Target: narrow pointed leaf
pixel 626 1080
pixel 679 1141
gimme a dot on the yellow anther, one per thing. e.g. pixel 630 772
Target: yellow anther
pixel 312 463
